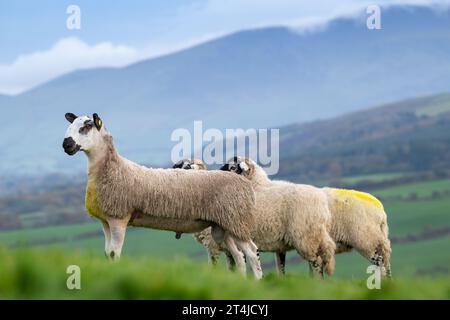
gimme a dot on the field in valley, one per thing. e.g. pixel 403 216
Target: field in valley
pixel 419 220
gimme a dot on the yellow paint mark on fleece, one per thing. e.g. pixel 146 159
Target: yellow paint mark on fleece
pixel 361 195
pixel 91 201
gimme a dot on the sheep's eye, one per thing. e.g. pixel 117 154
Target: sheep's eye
pixel 85 129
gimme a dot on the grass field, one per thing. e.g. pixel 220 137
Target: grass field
pixel 422 189
pixel 415 258
pixel 378 177
pixel 42 274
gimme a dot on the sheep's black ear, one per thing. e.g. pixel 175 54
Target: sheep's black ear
pixel 97 121
pixel 70 117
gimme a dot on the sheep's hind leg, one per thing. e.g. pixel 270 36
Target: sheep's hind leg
pixel 107 233
pixel 378 259
pixel 251 252
pixel 280 258
pixel 314 259
pixel 316 268
pixel 377 256
pixel 213 257
pixel 118 228
pixel 237 255
pixel 231 264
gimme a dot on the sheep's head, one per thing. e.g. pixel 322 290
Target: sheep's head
pixel 83 133
pixel 188 164
pixel 240 165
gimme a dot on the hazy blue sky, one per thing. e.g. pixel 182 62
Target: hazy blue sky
pixel 35 44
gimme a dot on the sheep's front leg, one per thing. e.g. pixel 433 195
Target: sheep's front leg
pixel 117 228
pixel 280 258
pixel 107 233
pixel 237 255
pixel 251 252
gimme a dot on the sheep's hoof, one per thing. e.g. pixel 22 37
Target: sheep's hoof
pixel 112 255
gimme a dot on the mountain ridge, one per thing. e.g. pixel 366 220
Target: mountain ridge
pixel 396 137
pixel 250 79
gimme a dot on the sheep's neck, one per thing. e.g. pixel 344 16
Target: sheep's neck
pixel 104 156
pixel 99 160
pixel 259 178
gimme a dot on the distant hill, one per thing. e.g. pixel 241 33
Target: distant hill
pixel 251 79
pixel 408 136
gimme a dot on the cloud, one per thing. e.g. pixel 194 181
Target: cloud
pixel 66 55
pixel 299 14
pixel 70 54
pixel 195 23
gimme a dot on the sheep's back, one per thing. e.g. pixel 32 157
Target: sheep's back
pixel 283 208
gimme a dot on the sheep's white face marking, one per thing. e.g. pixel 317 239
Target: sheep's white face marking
pixel 81 135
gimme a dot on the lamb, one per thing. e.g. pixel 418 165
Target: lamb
pixel 121 193
pixel 288 217
pixel 358 219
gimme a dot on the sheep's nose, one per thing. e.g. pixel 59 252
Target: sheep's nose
pixel 70 146
pixel 225 167
pixel 68 143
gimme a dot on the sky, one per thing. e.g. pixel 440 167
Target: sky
pixel 36 45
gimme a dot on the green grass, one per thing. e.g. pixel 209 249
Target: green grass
pixel 405 218
pixel 159 250
pixel 428 255
pixel 378 177
pixel 413 217
pixel 40 273
pixel 422 189
pixel 139 241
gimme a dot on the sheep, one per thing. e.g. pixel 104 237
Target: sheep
pixel 288 217
pixel 359 222
pixel 120 192
pixel 358 219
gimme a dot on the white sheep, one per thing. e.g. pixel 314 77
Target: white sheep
pixel 358 219
pixel 360 222
pixel 288 217
pixel 121 193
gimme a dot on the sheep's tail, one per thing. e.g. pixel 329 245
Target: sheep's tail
pixel 327 253
pixel 385 248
